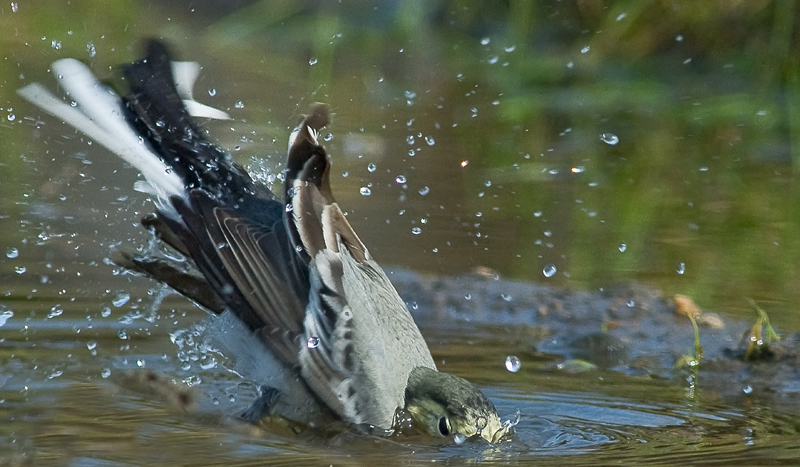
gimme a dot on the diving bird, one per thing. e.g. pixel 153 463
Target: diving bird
pixel 290 269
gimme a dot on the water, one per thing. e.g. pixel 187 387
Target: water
pixel 692 169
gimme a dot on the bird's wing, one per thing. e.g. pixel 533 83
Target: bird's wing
pixel 356 326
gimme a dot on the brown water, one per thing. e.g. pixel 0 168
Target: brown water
pixel 647 142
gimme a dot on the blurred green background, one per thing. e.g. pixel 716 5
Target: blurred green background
pixel 651 141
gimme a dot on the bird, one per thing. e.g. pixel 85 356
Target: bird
pixel 287 268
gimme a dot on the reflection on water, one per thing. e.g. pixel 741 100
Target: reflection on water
pixel 570 144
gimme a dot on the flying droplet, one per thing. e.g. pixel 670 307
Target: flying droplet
pixel 120 298
pixel 372 167
pixel 5 315
pixel 400 179
pixel 312 61
pixel 416 230
pixel 12 253
pixel 212 92
pixel 424 190
pixel 313 342
pixel 513 363
pixel 681 268
pixel 609 138
pixel 623 247
pixel 56 310
pixel 549 270
pixel 365 191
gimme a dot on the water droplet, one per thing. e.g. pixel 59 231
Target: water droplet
pixel 20 269
pixel 424 190
pixel 623 247
pixel 549 270
pixel 400 179
pixel 609 138
pixel 513 363
pixel 55 44
pixel 372 167
pixel 5 315
pixel 416 230
pixel 365 191
pixel 238 105
pixel 91 345
pixel 14 7
pixel 289 207
pixel 11 117
pixel 621 16
pixel 312 61
pixel 585 49
pixel 510 48
pixel 485 41
pixel 747 389
pixel 12 253
pixel 56 310
pixel 681 268
pixel 464 163
pixel 578 169
pixel 212 92
pixel 460 438
pixel 90 48
pixel 313 342
pixel 120 298
pixel 630 303
pixel 430 140
pixel 410 139
pixel 410 94
pixel 105 311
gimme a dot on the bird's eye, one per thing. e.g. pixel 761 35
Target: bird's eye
pixel 444 426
